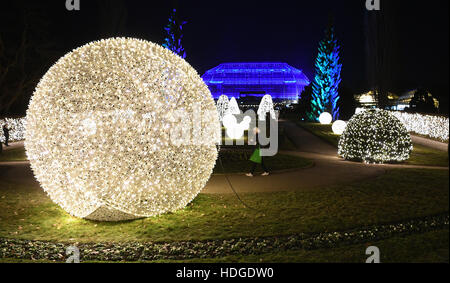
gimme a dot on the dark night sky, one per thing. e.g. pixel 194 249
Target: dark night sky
pixel 287 31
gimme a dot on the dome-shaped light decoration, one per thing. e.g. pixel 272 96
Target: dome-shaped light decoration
pixel 223 106
pixel 233 107
pixel 325 118
pixel 375 136
pixel 266 106
pixel 98 131
pixel 338 127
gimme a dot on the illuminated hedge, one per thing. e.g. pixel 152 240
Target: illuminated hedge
pixel 427 125
pixel 97 132
pixel 16 128
pixel 375 136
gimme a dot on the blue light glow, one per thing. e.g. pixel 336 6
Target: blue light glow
pixel 239 80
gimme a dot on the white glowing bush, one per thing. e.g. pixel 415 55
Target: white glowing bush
pixel 223 106
pixel 266 106
pixel 97 133
pixel 427 125
pixel 16 128
pixel 233 107
pixel 375 136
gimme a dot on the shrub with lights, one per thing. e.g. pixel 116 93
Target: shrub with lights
pixel 16 128
pixel 98 131
pixel 375 136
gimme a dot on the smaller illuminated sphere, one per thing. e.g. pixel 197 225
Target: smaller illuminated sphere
pixel 375 136
pixel 339 127
pixel 325 118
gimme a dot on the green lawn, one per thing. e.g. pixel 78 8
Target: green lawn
pixel 421 155
pixel 27 213
pixel 237 161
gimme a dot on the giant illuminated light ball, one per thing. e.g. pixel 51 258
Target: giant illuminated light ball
pixel 375 136
pixel 98 131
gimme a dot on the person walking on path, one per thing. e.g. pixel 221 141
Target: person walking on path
pixel 6 134
pixel 256 157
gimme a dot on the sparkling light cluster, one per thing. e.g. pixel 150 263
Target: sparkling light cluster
pixel 427 125
pixel 266 106
pixel 233 107
pixel 223 106
pixel 97 133
pixel 375 136
pixel 16 128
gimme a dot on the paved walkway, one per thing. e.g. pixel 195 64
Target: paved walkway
pixel 328 170
pixel 12 145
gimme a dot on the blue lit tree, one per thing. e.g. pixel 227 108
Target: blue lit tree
pixel 174 36
pixel 325 95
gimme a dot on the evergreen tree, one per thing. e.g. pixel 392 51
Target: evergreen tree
pixel 325 86
pixel 174 35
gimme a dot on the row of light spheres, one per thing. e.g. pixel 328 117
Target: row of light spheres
pixel 338 126
pixel 91 146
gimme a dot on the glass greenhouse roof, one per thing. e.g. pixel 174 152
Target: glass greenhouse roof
pixel 239 80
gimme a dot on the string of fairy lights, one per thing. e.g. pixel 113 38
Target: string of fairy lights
pixel 436 127
pixel 98 131
pixel 375 136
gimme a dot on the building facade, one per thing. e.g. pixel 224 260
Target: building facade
pixel 249 82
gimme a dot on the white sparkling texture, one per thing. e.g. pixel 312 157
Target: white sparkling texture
pixel 223 106
pixel 266 106
pixel 16 128
pixel 375 136
pixel 436 127
pixel 233 107
pixel 97 132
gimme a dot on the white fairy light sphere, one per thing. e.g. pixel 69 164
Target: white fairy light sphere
pixel 375 136
pixel 338 127
pixel 98 131
pixel 325 118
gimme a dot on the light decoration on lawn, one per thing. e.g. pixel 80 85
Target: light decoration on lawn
pixel 16 128
pixel 234 129
pixel 338 127
pixel 233 107
pixel 436 127
pixel 97 133
pixel 375 136
pixel 325 118
pixel 266 106
pixel 223 105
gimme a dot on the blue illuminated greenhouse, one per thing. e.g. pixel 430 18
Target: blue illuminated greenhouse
pixel 254 80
